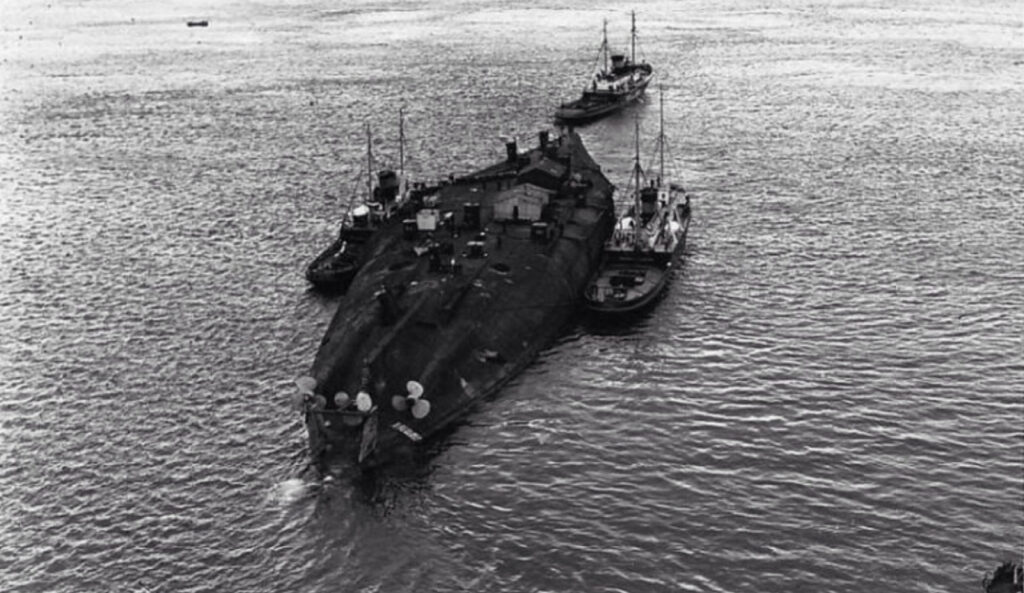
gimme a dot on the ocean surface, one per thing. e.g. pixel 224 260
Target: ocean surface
pixel 830 398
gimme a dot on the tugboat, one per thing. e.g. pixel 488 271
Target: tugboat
pixel 638 257
pixel 617 84
pixel 333 270
pixel 1006 578
pixel 458 293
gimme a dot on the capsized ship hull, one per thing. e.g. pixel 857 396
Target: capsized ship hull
pixel 456 297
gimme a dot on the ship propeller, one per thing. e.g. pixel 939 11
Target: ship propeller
pixel 412 401
pixel 363 401
pixel 420 409
pixel 306 384
pixel 342 400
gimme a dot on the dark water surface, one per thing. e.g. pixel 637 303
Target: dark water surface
pixel 828 399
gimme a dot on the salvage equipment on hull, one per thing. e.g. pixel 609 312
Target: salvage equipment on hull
pixel 458 294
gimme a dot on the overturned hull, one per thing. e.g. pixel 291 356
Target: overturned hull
pixel 455 298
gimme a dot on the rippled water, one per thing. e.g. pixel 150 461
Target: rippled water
pixel 828 399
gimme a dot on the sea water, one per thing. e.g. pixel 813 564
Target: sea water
pixel 829 397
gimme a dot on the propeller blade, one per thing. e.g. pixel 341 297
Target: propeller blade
pixel 415 389
pixel 306 384
pixel 398 402
pixel 420 409
pixel 363 401
pixel 341 400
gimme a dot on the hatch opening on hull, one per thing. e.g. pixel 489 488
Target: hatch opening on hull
pixel 471 216
pixel 476 250
pixel 540 232
pixel 409 229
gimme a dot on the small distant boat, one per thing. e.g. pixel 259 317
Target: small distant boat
pixel 333 269
pixel 619 82
pixel 203 23
pixel 637 259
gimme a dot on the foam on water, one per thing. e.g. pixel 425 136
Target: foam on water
pixel 294 489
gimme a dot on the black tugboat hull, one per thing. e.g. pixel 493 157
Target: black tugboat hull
pixel 606 294
pixel 333 270
pixel 578 112
pixel 327 274
pixel 631 283
pixel 448 314
pixel 590 108
pixel 331 282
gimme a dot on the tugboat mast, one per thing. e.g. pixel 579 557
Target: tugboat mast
pixel 604 46
pixel 632 39
pixel 401 143
pixel 661 133
pixel 369 164
pixel 636 182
